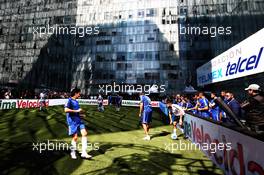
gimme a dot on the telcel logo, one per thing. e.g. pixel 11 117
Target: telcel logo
pixel 240 66
pixel 243 65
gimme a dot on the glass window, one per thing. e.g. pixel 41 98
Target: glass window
pixel 130 56
pixel 141 13
pixel 157 56
pixel 130 14
pixel 224 8
pixel 150 12
pixel 139 38
pixel 130 48
pixel 121 66
pixel 106 16
pixel 140 55
pixel 183 10
pixel 155 65
pixel 129 65
pixel 140 65
pixel 148 55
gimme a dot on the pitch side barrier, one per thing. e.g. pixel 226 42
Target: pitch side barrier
pixel 246 153
pixel 35 103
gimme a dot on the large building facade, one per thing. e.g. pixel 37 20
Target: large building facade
pixel 137 44
pixel 139 41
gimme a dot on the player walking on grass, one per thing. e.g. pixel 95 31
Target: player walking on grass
pixel 42 101
pixel 176 114
pixel 100 102
pixel 145 114
pixel 118 101
pixel 75 123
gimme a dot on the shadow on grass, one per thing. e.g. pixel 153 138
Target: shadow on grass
pixel 161 134
pixel 19 158
pixel 151 161
pixel 24 158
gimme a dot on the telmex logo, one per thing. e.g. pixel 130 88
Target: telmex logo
pixel 242 65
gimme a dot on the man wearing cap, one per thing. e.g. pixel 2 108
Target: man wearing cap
pixel 254 108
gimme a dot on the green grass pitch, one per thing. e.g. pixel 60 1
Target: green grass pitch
pixel 117 134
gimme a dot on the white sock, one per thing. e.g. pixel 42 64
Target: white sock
pixel 174 131
pixel 84 144
pixel 73 146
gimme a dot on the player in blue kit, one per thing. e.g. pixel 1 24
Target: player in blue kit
pixel 75 124
pixel 214 108
pixel 145 114
pixel 203 106
pixel 223 116
pixel 118 102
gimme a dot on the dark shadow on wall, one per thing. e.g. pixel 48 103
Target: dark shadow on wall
pixel 97 59
pixel 55 64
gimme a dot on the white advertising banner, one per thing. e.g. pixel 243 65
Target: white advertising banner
pixel 130 103
pixel 91 102
pixel 244 59
pixel 28 103
pixel 239 154
pixel 56 102
pixel 35 103
pixel 8 104
pixel 135 103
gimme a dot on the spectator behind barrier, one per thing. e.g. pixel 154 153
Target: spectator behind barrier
pixel 254 108
pixel 214 108
pixel 234 105
pixel 202 106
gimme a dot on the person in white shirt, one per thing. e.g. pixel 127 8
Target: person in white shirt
pixel 100 101
pixel 42 101
pixel 7 95
pixel 176 113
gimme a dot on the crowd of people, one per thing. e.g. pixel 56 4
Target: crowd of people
pixel 6 93
pixel 249 112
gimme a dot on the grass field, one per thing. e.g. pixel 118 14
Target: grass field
pixel 121 148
